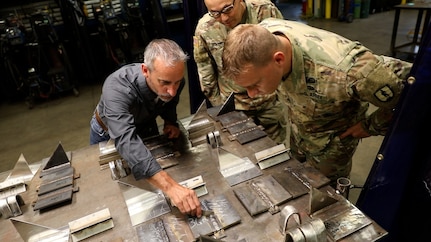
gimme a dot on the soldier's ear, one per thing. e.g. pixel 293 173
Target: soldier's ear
pixel 279 58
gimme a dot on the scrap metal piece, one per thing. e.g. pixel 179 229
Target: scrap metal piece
pixel 90 225
pixel 346 223
pixel 262 194
pixel 36 233
pixel 236 169
pixel 272 156
pixel 319 200
pixel 144 205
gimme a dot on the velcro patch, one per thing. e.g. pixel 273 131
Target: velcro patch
pixel 384 94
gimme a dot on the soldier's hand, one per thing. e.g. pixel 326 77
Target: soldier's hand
pixel 356 131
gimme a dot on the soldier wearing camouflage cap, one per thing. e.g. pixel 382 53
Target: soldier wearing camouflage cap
pixel 210 33
pixel 326 81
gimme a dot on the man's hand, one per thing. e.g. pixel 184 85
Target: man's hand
pixel 183 198
pixel 171 131
pixel 356 131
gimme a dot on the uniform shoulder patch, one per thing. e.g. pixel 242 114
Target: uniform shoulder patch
pixel 384 94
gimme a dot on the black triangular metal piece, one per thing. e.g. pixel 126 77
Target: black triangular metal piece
pixel 59 157
pixel 228 105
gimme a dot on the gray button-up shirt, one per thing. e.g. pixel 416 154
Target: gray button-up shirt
pixel 129 109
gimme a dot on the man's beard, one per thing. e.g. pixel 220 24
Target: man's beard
pixel 165 98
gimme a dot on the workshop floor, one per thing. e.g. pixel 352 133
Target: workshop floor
pixel 36 132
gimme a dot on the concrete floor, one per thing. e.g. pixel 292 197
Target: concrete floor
pixel 36 132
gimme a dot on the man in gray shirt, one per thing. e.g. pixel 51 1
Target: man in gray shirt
pixel 132 98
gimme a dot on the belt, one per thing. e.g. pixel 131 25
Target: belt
pixel 99 120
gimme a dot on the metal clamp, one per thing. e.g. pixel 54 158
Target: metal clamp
pixel 287 212
pixel 214 139
pixel 311 231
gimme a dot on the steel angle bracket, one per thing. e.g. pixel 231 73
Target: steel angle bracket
pixel 226 107
pixel 90 225
pixel 20 173
pixel 197 184
pixel 144 205
pixel 199 126
pixel 319 200
pixel 235 169
pixel 58 160
pixel 35 233
pixel 272 156
pixel 262 194
pixel 107 152
pixel 119 169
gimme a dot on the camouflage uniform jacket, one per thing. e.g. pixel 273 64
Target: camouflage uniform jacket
pixel 327 91
pixel 208 44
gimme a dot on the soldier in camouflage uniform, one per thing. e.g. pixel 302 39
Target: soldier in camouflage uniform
pixel 210 34
pixel 326 81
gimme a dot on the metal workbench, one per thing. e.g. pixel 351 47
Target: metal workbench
pixel 97 191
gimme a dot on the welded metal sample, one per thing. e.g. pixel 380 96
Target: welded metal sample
pixel 36 233
pixel 223 216
pixel 55 198
pixel 152 232
pixel 90 225
pixel 272 156
pixel 57 181
pixel 235 169
pixel 262 194
pixel 160 146
pixel 20 173
pixel 346 223
pixel 12 186
pixel 197 184
pixel 171 227
pixel 319 200
pixel 144 205
pixel 53 185
pixel 241 128
pixel 57 161
pixel 108 152
pixel 200 126
pixel 11 206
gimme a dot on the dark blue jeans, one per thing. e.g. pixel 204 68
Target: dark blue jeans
pixel 97 134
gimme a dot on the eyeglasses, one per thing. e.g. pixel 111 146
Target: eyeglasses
pixel 226 10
